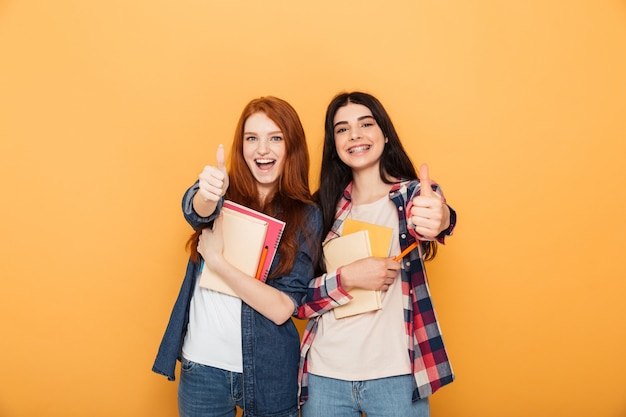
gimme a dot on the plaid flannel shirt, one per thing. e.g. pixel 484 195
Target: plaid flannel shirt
pixel 429 360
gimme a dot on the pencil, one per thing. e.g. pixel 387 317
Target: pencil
pixel 259 270
pixel 406 251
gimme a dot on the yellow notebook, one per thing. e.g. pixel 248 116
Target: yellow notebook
pixel 359 240
pixel 244 238
pixel 380 236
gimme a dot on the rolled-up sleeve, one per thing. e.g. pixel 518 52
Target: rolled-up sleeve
pixel 194 219
pixel 325 293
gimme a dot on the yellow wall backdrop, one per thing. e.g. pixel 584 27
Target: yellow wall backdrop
pixel 109 110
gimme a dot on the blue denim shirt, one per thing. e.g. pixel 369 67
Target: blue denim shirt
pixel 270 352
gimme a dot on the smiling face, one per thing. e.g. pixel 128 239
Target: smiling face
pixel 264 151
pixel 358 138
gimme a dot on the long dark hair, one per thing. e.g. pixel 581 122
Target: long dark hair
pixel 290 200
pixel 335 175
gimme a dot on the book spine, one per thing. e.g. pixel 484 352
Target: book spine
pixel 273 250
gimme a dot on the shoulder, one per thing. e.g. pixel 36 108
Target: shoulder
pixel 313 215
pixel 312 222
pixel 313 209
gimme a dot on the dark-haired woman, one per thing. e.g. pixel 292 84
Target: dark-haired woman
pixel 386 362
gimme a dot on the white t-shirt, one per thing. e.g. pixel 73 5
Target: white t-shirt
pixel 214 331
pixel 370 345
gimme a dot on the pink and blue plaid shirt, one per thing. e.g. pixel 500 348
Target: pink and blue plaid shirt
pixel 429 360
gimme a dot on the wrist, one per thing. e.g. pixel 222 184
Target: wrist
pixel 451 221
pixel 203 207
pixel 343 279
pixel 445 221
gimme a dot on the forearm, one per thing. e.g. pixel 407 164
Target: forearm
pixel 324 294
pixel 268 301
pixel 203 207
pixel 195 219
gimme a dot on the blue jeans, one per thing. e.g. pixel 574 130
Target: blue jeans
pixel 204 391
pixel 384 397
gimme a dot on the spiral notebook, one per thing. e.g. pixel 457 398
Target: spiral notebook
pixel 251 240
pixel 275 229
pixel 244 239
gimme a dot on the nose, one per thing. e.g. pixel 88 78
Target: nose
pixel 263 147
pixel 355 133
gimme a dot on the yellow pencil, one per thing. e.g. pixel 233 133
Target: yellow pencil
pixel 406 251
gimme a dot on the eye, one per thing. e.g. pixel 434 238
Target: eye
pixel 341 130
pixel 249 138
pixel 276 138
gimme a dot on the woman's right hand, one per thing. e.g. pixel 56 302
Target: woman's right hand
pixel 212 183
pixel 369 273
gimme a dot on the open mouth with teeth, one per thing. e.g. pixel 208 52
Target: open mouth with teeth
pixel 265 164
pixel 360 148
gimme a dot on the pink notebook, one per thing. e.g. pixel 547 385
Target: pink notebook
pixel 275 231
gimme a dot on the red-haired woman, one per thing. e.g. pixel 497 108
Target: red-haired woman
pixel 243 351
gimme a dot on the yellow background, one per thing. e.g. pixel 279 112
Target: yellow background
pixel 109 110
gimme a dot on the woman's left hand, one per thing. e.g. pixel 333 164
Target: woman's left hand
pixel 429 214
pixel 211 242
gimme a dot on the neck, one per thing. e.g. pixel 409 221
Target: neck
pixel 367 187
pixel 265 194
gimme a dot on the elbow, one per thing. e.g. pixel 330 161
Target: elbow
pixel 282 314
pixel 282 317
pixel 280 321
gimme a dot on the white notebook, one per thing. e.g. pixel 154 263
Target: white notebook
pixel 342 251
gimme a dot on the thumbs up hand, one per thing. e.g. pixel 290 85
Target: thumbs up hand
pixel 213 181
pixel 429 214
pixel 212 185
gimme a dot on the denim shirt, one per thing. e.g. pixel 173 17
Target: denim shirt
pixel 270 352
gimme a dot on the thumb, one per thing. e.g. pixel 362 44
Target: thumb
pixel 425 188
pixel 219 156
pixel 217 224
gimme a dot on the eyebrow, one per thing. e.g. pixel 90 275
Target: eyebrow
pixel 277 132
pixel 369 116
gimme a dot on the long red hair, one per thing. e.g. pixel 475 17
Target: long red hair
pixel 290 199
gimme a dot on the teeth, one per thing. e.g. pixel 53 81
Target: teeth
pixel 358 149
pixel 264 161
